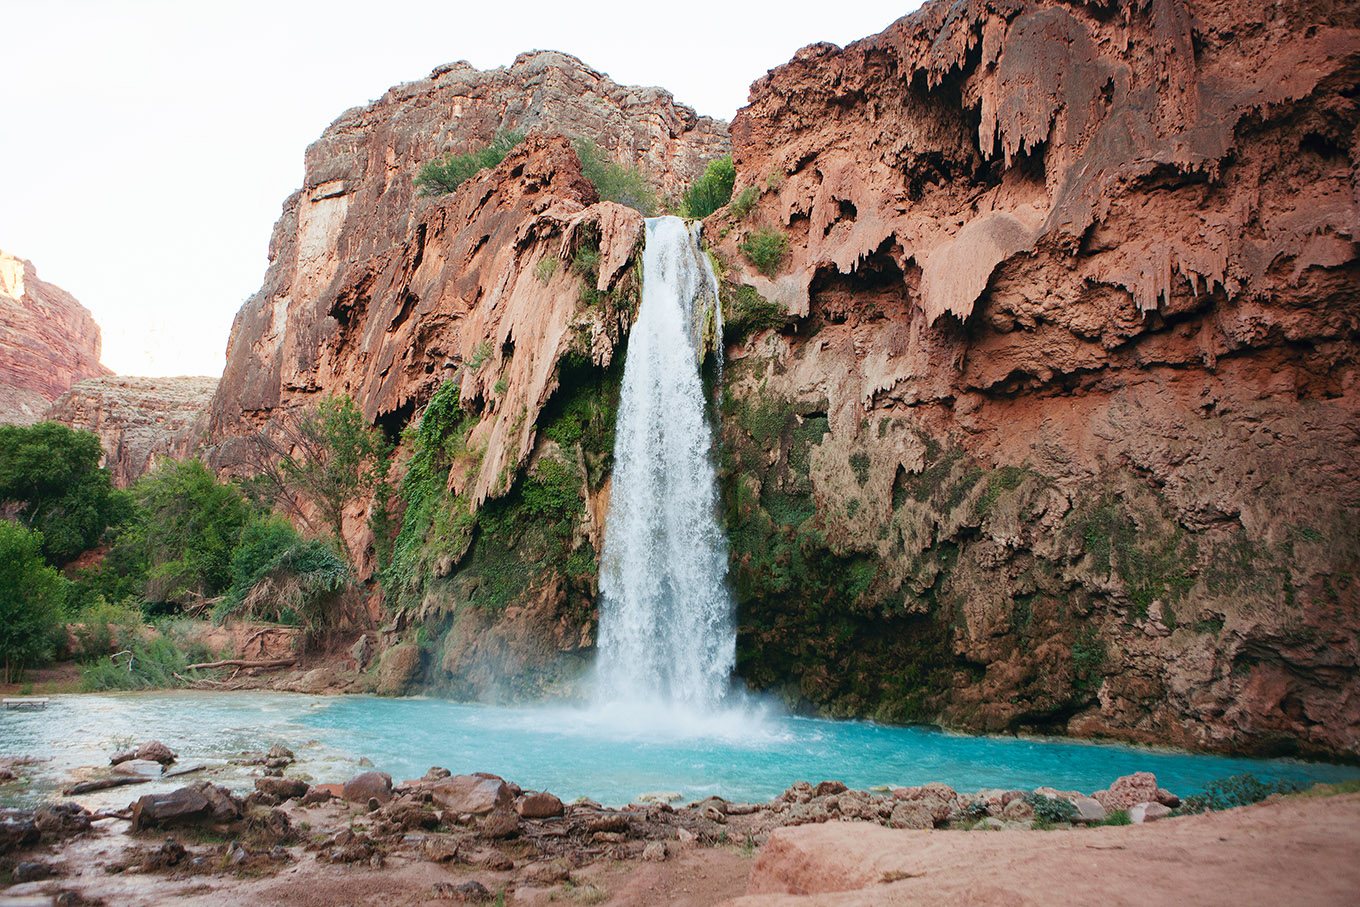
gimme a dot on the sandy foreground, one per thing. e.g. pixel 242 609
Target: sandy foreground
pixel 1293 850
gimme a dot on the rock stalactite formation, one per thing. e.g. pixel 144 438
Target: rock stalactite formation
pixel 48 341
pixel 139 421
pixel 1053 420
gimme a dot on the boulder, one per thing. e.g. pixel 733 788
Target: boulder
pixel 282 788
pixel 152 751
pixel 140 768
pixel 476 794
pixel 1128 791
pixel 539 805
pixel 31 871
pixel 1089 810
pixel 500 823
pixel 1167 798
pixel 397 669
pixel 654 852
pixel 61 820
pixel 201 802
pixel 1017 810
pixel 367 786
pixel 17 830
pixel 1148 812
pixel 280 752
pixel 912 814
pixel 827 788
pixel 316 795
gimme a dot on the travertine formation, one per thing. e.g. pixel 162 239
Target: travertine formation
pixel 139 421
pixel 1068 369
pixel 48 341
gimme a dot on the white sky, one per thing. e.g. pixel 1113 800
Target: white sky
pixel 146 147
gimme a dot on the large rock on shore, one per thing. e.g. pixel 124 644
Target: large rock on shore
pixel 197 803
pixel 477 794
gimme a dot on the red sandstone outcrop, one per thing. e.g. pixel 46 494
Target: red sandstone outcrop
pixel 139 421
pixel 360 262
pixel 1076 291
pixel 48 341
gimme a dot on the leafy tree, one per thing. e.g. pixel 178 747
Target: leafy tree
pixel 325 458
pixel 186 530
pixel 613 181
pixel 712 190
pixel 31 598
pixel 51 482
pixel 448 172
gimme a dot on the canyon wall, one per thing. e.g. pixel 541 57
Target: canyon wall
pixel 1048 418
pixel 1040 412
pixel 493 311
pixel 48 341
pixel 139 421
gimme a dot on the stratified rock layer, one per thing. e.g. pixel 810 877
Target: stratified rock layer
pixel 139 421
pixel 1059 429
pixel 48 341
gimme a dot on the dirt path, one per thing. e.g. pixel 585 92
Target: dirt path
pixel 1296 850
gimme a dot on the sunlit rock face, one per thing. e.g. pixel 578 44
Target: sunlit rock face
pixel 48 341
pixel 139 421
pixel 1061 429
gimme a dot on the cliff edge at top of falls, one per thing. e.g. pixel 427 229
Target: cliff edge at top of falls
pixel 48 341
pixel 364 295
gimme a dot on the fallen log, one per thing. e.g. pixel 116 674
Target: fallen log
pixel 242 663
pixel 85 787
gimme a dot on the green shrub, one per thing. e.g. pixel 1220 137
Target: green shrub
pixel 31 598
pixel 613 181
pixel 50 479
pixel 712 190
pixel 765 248
pixel 747 312
pixel 479 356
pixel 279 575
pixel 1237 790
pixel 154 665
pixel 447 173
pixel 546 269
pixel 1050 810
pixel 1117 817
pixel 744 202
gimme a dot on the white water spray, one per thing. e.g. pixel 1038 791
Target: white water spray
pixel 666 626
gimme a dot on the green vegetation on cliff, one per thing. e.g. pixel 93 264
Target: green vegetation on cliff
pixel 613 181
pixel 712 190
pixel 449 172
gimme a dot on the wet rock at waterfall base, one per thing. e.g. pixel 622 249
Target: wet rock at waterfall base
pixel 152 751
pixel 539 805
pixel 197 803
pixel 475 795
pixel 368 786
pixel 282 788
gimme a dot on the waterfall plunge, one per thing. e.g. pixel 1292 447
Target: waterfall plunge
pixel 666 626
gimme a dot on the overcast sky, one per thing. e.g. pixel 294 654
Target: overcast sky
pixel 146 148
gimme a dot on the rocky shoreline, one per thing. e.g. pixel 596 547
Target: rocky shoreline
pixel 487 837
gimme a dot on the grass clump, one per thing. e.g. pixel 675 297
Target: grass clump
pixel 765 248
pixel 712 190
pixel 546 269
pixel 448 173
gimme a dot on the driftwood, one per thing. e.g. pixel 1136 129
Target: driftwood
pixel 86 787
pixel 243 663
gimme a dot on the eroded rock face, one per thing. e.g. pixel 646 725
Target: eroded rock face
pixel 1059 429
pixel 48 342
pixel 139 421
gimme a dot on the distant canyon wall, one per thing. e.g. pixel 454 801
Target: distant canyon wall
pixel 48 341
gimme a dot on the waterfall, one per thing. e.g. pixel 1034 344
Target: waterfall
pixel 666 624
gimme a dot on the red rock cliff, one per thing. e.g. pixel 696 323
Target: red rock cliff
pixel 48 342
pixel 1067 364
